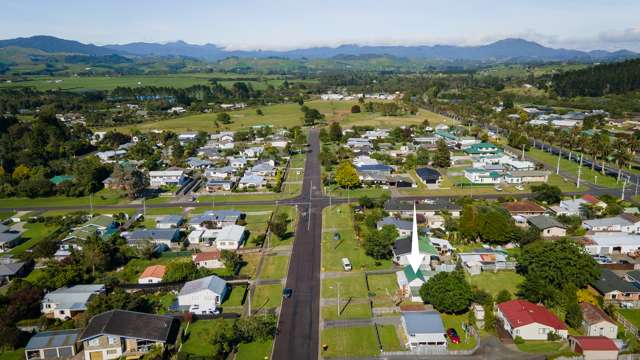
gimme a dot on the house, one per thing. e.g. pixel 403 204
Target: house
pixel 548 226
pixel 238 163
pixel 402 249
pixel 65 303
pixel 429 175
pixel 616 291
pixel 220 173
pixel 211 153
pixel 252 182
pixel 110 155
pixel 177 110
pixel 483 176
pixel 594 347
pixel 482 148
pixel 215 185
pixel 480 260
pixel 604 243
pixel 376 134
pixel 9 238
pixel 279 143
pixel 529 321
pixel 11 268
pixel 59 344
pixel 155 236
pixel 424 329
pixel 377 168
pixel 208 260
pixel 101 225
pixel 404 227
pixel 594 201
pixel 196 163
pixel 264 168
pixel 364 160
pixel 426 208
pixel 167 178
pixel 185 138
pixel 152 274
pixel 169 221
pixel 595 322
pixel 253 152
pixel 214 219
pixel 626 223
pixel 410 282
pixel 124 334
pixel 526 176
pixel 203 294
pixel 59 179
pixel 524 208
pixel 230 237
pixel 572 207
pixel 355 143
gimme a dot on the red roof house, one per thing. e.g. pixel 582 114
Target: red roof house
pixel 152 274
pixel 594 200
pixel 523 208
pixel 594 347
pixel 529 321
pixel 208 259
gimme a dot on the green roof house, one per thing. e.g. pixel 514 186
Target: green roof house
pixel 59 179
pixel 482 148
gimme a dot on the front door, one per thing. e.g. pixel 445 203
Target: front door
pixel 95 355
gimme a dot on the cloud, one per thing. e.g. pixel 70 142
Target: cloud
pixel 630 35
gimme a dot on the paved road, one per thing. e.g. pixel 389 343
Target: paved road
pixel 298 327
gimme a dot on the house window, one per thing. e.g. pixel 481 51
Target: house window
pixel 94 342
pixel 112 340
pixel 112 352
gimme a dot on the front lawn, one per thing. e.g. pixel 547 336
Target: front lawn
pixel 494 282
pixel 291 227
pixel 258 350
pixel 350 286
pixel 349 342
pixel 199 337
pixel 348 312
pixel 274 267
pixel 12 355
pixel 34 233
pixel 455 321
pixel 383 287
pixel 389 338
pixel 266 297
pixel 542 347
pixel 236 297
pixel 250 264
pixel 338 219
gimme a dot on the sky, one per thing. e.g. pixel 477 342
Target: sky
pixel 287 24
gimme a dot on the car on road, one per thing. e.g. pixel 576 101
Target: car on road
pixel 624 262
pixel 452 334
pixel 287 292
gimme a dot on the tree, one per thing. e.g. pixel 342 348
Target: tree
pixel 573 316
pixel 422 156
pixel 118 299
pixel 503 295
pixel 549 266
pixel 129 178
pixel 442 157
pixel 224 118
pixel 378 243
pixel 21 172
pixel 346 175
pixel 448 292
pixel 231 260
pixel 355 109
pixel 488 223
pixel 335 132
pixel 279 224
pixel 180 271
pixel 546 193
pixel 259 112
pixel 311 116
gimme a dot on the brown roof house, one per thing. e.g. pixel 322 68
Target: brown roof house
pixel 595 322
pixel 152 274
pixel 208 260
pixel 123 334
pixel 524 208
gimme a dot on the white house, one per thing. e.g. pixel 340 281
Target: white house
pixel 410 282
pixel 110 155
pixel 595 322
pixel 253 152
pixel 238 163
pixel 626 223
pixel 230 237
pixel 529 321
pixel 202 295
pixel 605 243
pixel 152 274
pixel 252 181
pixel 424 329
pixel 177 110
pixel 166 177
pixel 208 260
pixel 65 303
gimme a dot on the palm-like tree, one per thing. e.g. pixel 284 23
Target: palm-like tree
pixel 605 149
pixel 621 155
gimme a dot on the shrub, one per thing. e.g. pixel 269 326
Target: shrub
pixel 518 340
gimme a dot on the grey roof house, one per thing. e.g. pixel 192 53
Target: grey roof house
pixel 11 268
pixel 215 219
pixel 404 227
pixel 424 329
pixel 59 344
pixel 548 226
pixel 157 236
pixel 169 221
pixel 201 294
pixel 65 303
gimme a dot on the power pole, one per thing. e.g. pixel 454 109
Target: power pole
pixel 338 300
pixel 624 185
pixel 558 165
pixel 91 204
pixel 579 171
pixel 523 146
pixel 636 192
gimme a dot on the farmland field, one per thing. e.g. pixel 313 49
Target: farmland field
pixel 287 115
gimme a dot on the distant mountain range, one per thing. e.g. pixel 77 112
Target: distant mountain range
pixel 516 50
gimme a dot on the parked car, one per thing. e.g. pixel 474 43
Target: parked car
pixel 452 334
pixel 346 264
pixel 287 292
